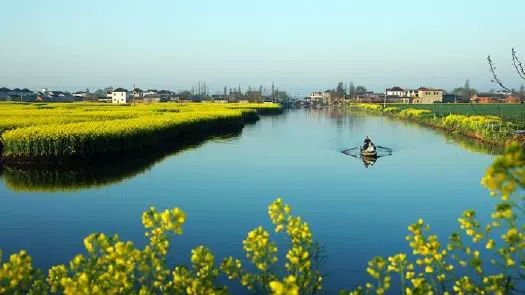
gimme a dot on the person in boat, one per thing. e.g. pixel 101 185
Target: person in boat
pixel 368 143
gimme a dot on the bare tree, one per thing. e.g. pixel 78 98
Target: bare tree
pixel 495 78
pixel 517 65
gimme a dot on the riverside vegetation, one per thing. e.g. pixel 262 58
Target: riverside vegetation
pixel 489 128
pixel 478 259
pixel 36 132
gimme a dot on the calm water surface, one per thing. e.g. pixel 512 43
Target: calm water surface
pixel 225 186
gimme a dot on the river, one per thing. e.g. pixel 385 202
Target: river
pixel 225 185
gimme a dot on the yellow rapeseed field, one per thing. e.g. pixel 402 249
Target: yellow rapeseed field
pixel 83 129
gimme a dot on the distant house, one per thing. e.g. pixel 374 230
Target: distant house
pixel 4 93
pixel 450 98
pixel 80 94
pixel 137 93
pixel 219 98
pixel 407 99
pixel 487 97
pixel 512 99
pixel 315 96
pixel 320 97
pixel 149 92
pixel 55 96
pixel 120 95
pixel 410 93
pixel 428 95
pixel 395 91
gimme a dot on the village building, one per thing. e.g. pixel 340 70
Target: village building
pixel 512 99
pixel 137 94
pixel 120 95
pixel 487 97
pixel 428 95
pixel 395 91
pixel 320 97
pixel 4 93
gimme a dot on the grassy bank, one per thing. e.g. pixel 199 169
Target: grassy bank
pixel 54 132
pixel 507 111
pixel 488 128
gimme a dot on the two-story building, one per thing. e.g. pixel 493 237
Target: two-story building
pixel 428 95
pixel 120 95
pixel 395 91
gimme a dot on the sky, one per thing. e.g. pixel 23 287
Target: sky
pixel 299 45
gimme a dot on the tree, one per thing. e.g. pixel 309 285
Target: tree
pixel 351 90
pixel 99 93
pixel 521 93
pixel 339 91
pixel 360 89
pixel 464 91
pixel 518 66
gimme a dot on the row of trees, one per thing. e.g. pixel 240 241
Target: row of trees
pixel 349 90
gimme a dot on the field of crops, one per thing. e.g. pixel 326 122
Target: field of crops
pixel 39 130
pixel 486 126
pixel 508 112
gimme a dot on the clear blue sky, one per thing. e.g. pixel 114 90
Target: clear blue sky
pixel 298 44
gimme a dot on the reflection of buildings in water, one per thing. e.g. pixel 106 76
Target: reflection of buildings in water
pixel 99 173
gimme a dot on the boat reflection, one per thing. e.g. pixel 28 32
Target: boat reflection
pixel 101 172
pixel 368 161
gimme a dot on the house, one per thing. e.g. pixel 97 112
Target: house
pixel 219 98
pixel 512 99
pixel 428 95
pixel 54 96
pixel 450 98
pixel 149 92
pixel 487 97
pixel 395 91
pixel 80 94
pixel 315 96
pixel 320 97
pixel 4 93
pixel 407 99
pixel 120 95
pixel 410 93
pixel 137 93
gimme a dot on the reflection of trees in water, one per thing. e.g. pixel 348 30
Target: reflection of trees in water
pixel 101 172
pixel 465 142
pixel 474 145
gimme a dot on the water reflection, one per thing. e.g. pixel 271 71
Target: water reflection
pixel 473 145
pixel 82 175
pixel 368 161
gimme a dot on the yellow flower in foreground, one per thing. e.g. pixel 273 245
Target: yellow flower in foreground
pixel 287 287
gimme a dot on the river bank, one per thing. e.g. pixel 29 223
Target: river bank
pixel 486 128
